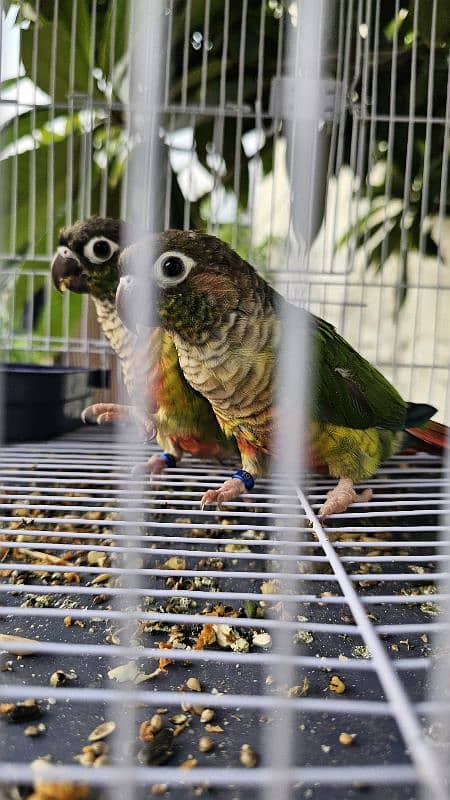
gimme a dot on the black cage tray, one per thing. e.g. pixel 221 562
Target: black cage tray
pixel 41 402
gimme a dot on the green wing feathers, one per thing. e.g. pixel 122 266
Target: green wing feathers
pixel 348 390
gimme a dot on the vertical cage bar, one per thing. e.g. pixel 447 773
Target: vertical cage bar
pixel 145 94
pixel 304 59
pixel 71 117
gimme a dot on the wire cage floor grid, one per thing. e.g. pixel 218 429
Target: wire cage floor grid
pixel 208 592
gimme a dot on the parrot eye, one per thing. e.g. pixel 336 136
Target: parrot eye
pixel 99 249
pixel 172 268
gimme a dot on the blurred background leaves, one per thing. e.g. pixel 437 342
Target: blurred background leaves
pixel 65 145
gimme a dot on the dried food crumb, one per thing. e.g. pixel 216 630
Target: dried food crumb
pixel 347 738
pixel 247 756
pixel 336 685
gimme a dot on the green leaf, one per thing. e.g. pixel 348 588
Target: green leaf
pixel 20 220
pixel 424 19
pixel 21 126
pixel 51 38
pixel 115 32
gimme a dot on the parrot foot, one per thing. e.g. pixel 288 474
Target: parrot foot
pixel 341 497
pixel 100 413
pixel 155 465
pixel 230 490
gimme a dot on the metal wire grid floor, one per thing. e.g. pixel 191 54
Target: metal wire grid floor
pixel 360 603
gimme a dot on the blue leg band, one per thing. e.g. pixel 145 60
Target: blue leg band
pixel 169 459
pixel 245 477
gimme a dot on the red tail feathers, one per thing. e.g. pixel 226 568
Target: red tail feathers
pixel 433 437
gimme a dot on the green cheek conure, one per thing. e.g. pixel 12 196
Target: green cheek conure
pixel 86 262
pixel 227 326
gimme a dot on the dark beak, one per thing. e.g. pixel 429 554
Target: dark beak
pixel 67 272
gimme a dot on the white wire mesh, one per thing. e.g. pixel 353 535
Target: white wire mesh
pixel 337 614
pixel 226 156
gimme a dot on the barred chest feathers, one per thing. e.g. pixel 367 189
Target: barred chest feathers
pixel 233 367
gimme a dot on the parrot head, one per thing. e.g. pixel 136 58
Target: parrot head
pixel 197 281
pixel 86 260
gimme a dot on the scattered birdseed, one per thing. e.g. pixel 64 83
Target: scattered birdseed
pixel 159 750
pixel 175 562
pixel 189 763
pixel 193 684
pixel 59 678
pixel 178 719
pixel 17 645
pixel 262 639
pixel 300 691
pixel 304 637
pixel 102 731
pixel 25 711
pixel 347 738
pixel 207 715
pixel 336 685
pixel 270 587
pixel 156 723
pixel 247 756
pixel 360 651
pixel 205 744
pixel 35 730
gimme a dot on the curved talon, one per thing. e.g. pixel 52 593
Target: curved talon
pixel 230 490
pixel 342 497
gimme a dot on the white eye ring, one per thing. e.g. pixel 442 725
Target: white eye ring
pixel 97 258
pixel 162 278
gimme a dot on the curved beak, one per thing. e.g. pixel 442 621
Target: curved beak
pixel 67 271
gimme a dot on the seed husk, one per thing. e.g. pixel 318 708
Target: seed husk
pixel 247 756
pixel 262 639
pixel 193 684
pixel 207 715
pixel 156 723
pixel 159 788
pixel 102 731
pixel 336 685
pixel 35 730
pixel 205 744
pixel 347 738
pixel 46 790
pixel 85 759
pixel 100 761
pixel 175 562
pixel 59 678
pixel 146 732
pixel 158 751
pixel 25 711
pixel 178 719
pixel 17 645
pixel 189 763
pixel 97 748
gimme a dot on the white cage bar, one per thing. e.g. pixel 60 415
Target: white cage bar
pixel 88 552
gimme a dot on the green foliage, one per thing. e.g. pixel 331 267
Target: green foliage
pixel 398 221
pixel 97 76
pixel 46 43
pixel 42 148
pixel 236 83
